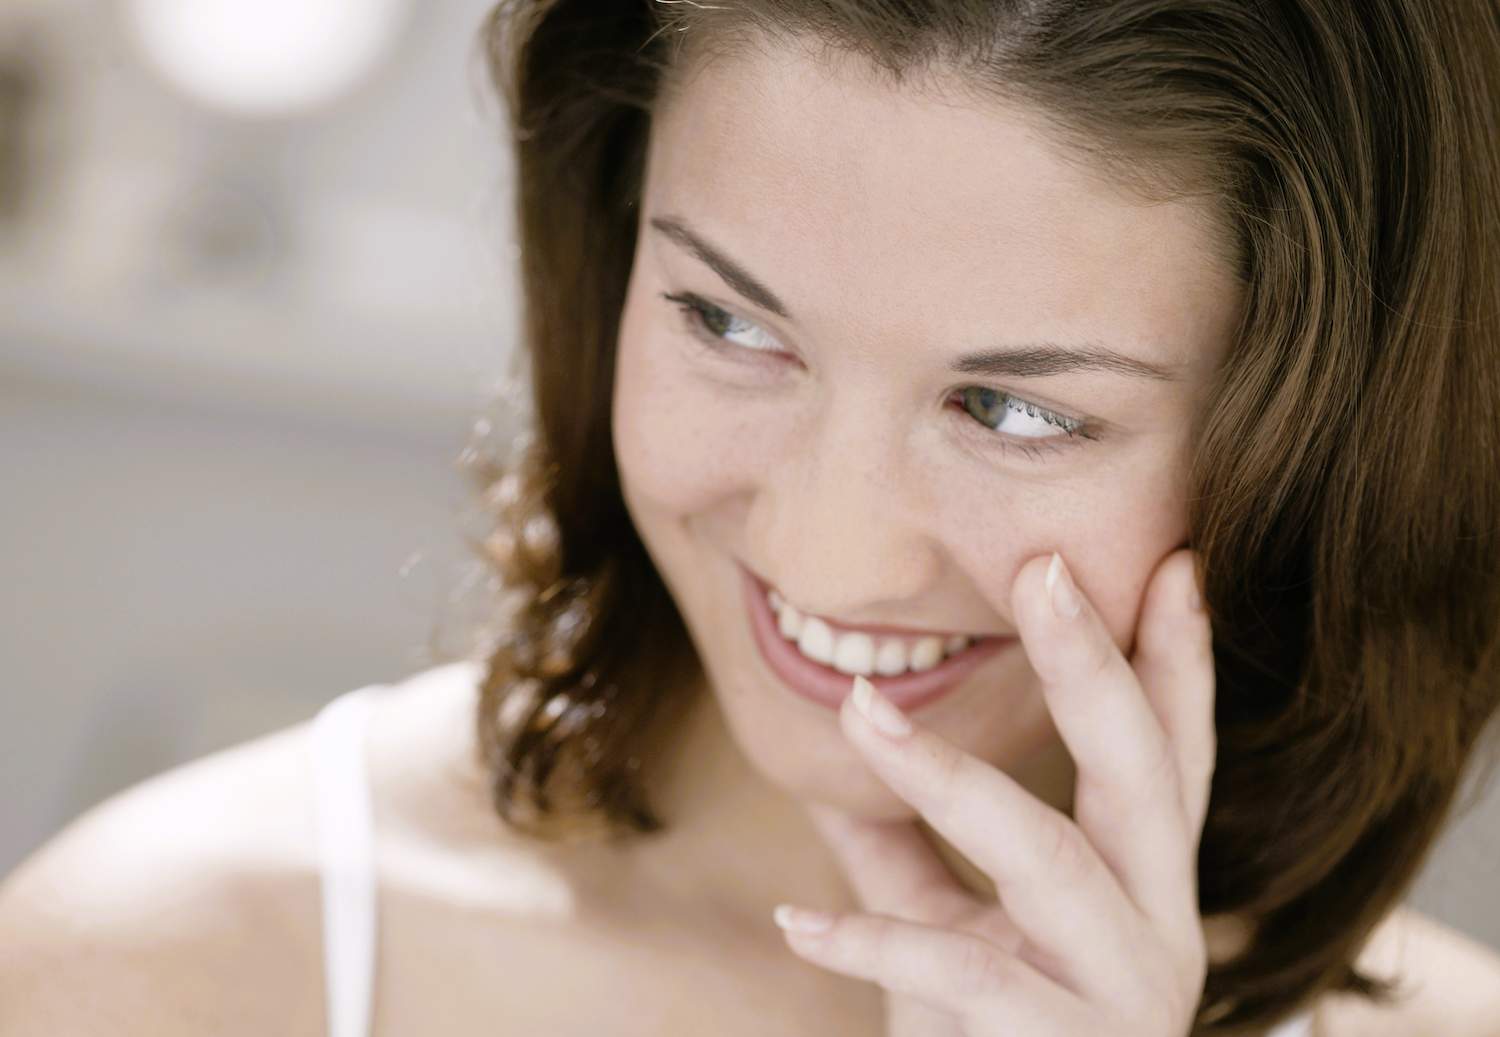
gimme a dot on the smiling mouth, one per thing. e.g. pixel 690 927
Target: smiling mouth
pixel 875 630
pixel 858 651
pixel 828 683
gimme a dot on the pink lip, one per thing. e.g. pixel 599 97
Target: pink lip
pixel 829 687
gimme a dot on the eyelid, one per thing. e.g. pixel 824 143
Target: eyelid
pixel 692 306
pixel 1064 423
pixel 1034 447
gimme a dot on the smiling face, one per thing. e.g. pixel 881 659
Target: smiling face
pixel 842 448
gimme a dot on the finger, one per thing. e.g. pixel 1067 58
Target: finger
pixel 1175 663
pixel 1127 797
pixel 945 970
pixel 1051 882
pixel 892 869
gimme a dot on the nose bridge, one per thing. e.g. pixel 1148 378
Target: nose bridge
pixel 838 532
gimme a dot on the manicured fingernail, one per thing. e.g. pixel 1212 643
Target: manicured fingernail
pixel 878 710
pixel 1061 590
pixel 801 920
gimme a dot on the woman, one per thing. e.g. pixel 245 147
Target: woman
pixel 1125 372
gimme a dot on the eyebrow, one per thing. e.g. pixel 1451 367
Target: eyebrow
pixel 1029 360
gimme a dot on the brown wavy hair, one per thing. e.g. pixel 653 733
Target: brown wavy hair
pixel 1345 494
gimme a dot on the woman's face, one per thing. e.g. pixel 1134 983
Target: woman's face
pixel 834 450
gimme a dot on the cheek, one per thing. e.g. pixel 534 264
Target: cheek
pixel 1112 528
pixel 681 445
pixel 1138 517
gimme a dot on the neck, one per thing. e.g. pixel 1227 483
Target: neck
pixel 741 842
pixel 722 813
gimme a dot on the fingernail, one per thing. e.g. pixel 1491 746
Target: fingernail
pixel 878 710
pixel 801 920
pixel 1061 590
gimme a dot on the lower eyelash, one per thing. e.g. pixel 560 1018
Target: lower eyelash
pixel 1033 451
pixel 989 439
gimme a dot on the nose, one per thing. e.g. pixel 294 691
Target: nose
pixel 837 528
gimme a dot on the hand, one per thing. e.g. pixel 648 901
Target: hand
pixel 1097 928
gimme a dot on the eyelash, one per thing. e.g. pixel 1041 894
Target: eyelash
pixel 695 311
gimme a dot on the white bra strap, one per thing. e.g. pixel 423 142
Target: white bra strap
pixel 1297 1026
pixel 347 862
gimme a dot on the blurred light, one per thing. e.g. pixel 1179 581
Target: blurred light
pixel 265 57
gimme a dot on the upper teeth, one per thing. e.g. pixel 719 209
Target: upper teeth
pixel 860 653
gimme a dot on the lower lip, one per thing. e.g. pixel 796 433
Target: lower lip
pixel 829 687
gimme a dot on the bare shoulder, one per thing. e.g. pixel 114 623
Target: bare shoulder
pixel 190 902
pixel 186 903
pixel 1447 982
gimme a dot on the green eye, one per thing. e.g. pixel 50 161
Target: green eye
pixel 1012 423
pixel 711 324
pixel 712 318
pixel 1028 419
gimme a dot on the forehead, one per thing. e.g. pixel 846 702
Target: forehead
pixel 925 212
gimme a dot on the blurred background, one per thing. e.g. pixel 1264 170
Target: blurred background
pixel 257 296
pixel 256 291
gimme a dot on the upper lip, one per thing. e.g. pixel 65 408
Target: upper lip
pixel 876 628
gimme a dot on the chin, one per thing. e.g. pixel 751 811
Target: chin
pixel 802 751
pixel 806 755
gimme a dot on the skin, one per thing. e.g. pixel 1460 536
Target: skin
pixel 900 230
pixel 821 447
pixel 792 462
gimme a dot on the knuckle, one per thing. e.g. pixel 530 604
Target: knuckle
pixel 1065 854
pixel 1160 779
pixel 994 928
pixel 1161 769
pixel 882 949
pixel 949 769
pixel 981 969
pixel 949 791
pixel 1101 653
